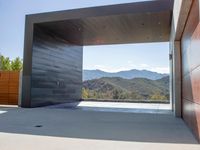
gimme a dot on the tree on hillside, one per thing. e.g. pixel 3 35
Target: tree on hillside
pixel 85 93
pixel 135 95
pixel 16 64
pixel 116 94
pixel 157 96
pixel 124 95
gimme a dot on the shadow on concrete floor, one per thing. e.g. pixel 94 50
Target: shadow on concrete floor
pixel 77 123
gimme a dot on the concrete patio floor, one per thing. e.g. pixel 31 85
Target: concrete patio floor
pixel 118 107
pixel 54 128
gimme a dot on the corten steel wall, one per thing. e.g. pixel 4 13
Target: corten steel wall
pixel 56 69
pixel 191 70
pixel 9 87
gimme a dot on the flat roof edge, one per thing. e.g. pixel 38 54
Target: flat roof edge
pixel 136 7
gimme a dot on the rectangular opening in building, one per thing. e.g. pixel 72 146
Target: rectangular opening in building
pixel 126 73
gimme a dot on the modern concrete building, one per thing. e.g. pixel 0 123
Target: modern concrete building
pixel 54 43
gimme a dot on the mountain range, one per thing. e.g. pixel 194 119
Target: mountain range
pixel 120 88
pixel 130 74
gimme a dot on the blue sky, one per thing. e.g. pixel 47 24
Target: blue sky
pixel 110 58
pixel 114 58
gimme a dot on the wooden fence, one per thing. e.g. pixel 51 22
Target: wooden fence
pixel 9 87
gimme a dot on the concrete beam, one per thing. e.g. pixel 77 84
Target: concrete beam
pixel 137 22
pixel 154 6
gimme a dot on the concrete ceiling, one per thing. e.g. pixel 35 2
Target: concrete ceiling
pixel 118 24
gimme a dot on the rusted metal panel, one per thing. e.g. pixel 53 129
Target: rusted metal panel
pixel 191 71
pixel 9 87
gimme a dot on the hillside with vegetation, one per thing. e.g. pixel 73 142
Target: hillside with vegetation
pixel 132 89
pixel 127 74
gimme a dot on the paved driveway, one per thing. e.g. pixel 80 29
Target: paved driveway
pixel 61 128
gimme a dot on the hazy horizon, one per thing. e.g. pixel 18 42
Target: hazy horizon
pixel 123 70
pixel 119 57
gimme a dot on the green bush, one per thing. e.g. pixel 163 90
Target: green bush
pixel 10 65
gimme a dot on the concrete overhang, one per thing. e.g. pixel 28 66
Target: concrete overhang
pixel 139 22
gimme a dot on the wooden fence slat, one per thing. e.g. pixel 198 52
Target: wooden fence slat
pixel 4 99
pixel 9 87
pixel 4 75
pixel 14 76
pixel 4 87
pixel 12 100
pixel 13 87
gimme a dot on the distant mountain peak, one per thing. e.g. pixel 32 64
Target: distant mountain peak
pixel 126 74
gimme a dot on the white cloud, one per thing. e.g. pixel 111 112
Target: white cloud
pixel 144 65
pixel 130 61
pixel 160 69
pixel 153 68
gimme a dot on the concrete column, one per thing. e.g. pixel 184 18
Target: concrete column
pixel 171 75
pixel 180 14
pixel 176 77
